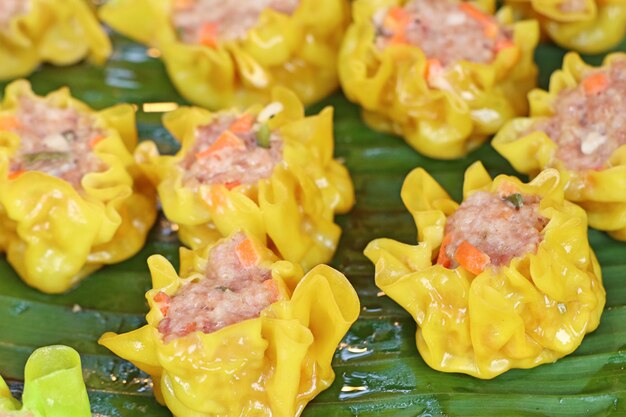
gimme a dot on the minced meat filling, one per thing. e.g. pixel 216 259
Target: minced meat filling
pixel 447 31
pixel 589 122
pixel 10 9
pixel 204 21
pixel 573 6
pixel 492 228
pixel 55 140
pixel 231 291
pixel 226 153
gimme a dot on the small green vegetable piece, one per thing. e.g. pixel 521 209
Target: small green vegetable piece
pixel 44 156
pixel 263 136
pixel 69 135
pixel 223 289
pixel 516 199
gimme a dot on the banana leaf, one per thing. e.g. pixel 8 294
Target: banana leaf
pixel 379 372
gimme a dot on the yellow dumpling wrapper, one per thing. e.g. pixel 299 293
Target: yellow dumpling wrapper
pixel 61 32
pixel 54 234
pixel 391 86
pixel 294 208
pixel 602 193
pixel 594 27
pixel 298 52
pixel 534 310
pixel 53 386
pixel 272 365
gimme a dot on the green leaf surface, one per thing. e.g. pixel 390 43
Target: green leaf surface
pixel 379 372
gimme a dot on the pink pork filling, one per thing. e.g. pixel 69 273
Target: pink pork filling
pixel 573 6
pixel 56 141
pixel 231 19
pixel 589 121
pixel 231 165
pixel 502 226
pixel 445 30
pixel 230 292
pixel 10 9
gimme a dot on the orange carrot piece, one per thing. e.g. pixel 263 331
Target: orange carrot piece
pixel 9 123
pixel 225 140
pixel 471 258
pixel 475 13
pixel 504 43
pixel 163 299
pixel 243 124
pixel 443 259
pixel 595 83
pixel 246 253
pixel 491 30
pixel 191 327
pixel 232 184
pixel 397 21
pixel 95 141
pixel 433 67
pixel 14 174
pixel 208 35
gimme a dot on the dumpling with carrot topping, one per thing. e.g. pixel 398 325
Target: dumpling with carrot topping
pixel 586 26
pixel 443 74
pixel 221 54
pixel 579 128
pixel 61 32
pixel 71 196
pixel 268 171
pixel 239 332
pixel 504 280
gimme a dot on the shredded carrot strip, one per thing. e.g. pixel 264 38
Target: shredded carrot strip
pixel 443 259
pixel 595 83
pixel 95 141
pixel 191 327
pixel 208 35
pixel 503 44
pixel 243 124
pixel 225 140
pixel 471 258
pixel 9 123
pixel 490 28
pixel 232 184
pixel 13 175
pixel 246 253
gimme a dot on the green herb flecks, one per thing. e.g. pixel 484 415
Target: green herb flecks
pixel 516 199
pixel 263 136
pixel 222 288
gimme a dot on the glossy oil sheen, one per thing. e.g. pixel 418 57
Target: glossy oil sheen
pixel 379 372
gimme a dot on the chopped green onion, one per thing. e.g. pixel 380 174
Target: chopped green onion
pixel 69 135
pixel 263 136
pixel 44 156
pixel 516 199
pixel 222 288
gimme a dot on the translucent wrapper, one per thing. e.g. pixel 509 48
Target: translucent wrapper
pixel 596 27
pixel 55 234
pixel 298 52
pixel 294 208
pixel 53 386
pixel 272 365
pixel 602 193
pixel 391 86
pixel 61 32
pixel 534 310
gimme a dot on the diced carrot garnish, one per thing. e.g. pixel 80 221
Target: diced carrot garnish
pixel 433 67
pixel 164 309
pixel 397 20
pixel 232 184
pixel 491 30
pixel 243 124
pixel 163 299
pixel 443 259
pixel 474 13
pixel 503 43
pixel 246 253
pixel 225 140
pixel 208 35
pixel 95 141
pixel 191 327
pixel 9 123
pixel 471 258
pixel 14 174
pixel 595 83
